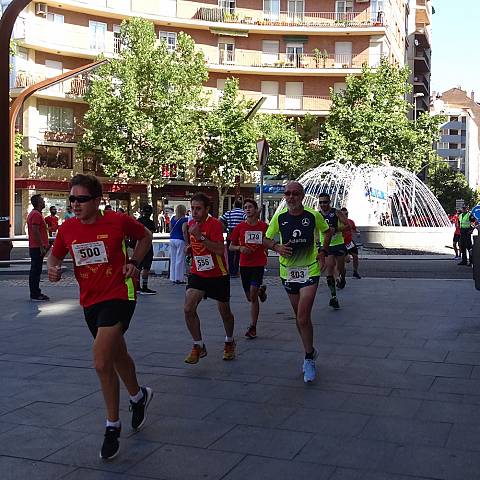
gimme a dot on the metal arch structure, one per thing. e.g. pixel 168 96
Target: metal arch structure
pixel 7 174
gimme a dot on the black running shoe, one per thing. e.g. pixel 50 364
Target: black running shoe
pixel 356 275
pixel 341 282
pixel 147 291
pixel 139 409
pixel 40 298
pixel 334 303
pixel 111 446
pixel 262 293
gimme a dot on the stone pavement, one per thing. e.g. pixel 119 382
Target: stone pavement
pixel 398 394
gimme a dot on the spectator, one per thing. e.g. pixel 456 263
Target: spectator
pixel 52 221
pixel 68 214
pixel 38 246
pixel 146 263
pixel 161 222
pixel 108 207
pixel 177 245
pixel 230 220
pixel 456 236
pixel 466 219
pixel 167 222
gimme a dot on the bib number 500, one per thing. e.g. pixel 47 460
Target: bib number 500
pixel 89 253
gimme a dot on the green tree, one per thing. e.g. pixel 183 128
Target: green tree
pixel 144 106
pixel 368 122
pixel 228 148
pixel 20 150
pixel 449 185
pixel 287 151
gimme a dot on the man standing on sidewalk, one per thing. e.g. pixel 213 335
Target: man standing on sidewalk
pixel 465 219
pixel 52 221
pixel 231 219
pixel 106 277
pixel 38 247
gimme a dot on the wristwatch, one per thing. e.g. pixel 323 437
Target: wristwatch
pixel 203 238
pixel 133 262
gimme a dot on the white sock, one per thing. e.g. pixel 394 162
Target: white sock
pixel 116 424
pixel 229 339
pixel 136 398
pixel 198 342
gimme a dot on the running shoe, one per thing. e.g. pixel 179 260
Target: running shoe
pixel 39 298
pixel 147 291
pixel 251 332
pixel 356 275
pixel 196 353
pixel 341 282
pixel 334 303
pixel 111 446
pixel 262 293
pixel 308 369
pixel 229 351
pixel 139 409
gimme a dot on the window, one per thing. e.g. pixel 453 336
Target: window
pixel 271 9
pixel 270 90
pixel 339 87
pixel 462 145
pixel 343 10
pixel 54 157
pixel 226 53
pixel 444 131
pixel 227 5
pixel 442 145
pixel 117 42
pixel 295 9
pixel 56 119
pixel 98 31
pixel 464 119
pixel 55 18
pixel 453 132
pixel 294 54
pixel 220 87
pixel 170 38
pixel 92 163
pixel 270 52
pixel 454 119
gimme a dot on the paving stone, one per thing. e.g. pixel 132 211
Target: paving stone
pixel 307 397
pixel 22 468
pixel 61 393
pixel 267 442
pixel 165 463
pixel 407 431
pixel 465 437
pixel 35 443
pixel 449 412
pixel 261 468
pixel 89 474
pixel 464 358
pixel 440 369
pixel 419 354
pixel 381 405
pixel 456 385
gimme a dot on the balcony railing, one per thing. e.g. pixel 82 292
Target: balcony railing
pixel 75 87
pixel 424 54
pixel 286 19
pixel 286 60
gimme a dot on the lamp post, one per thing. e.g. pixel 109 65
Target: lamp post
pixel 415 96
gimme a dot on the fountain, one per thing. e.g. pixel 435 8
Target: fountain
pixel 390 205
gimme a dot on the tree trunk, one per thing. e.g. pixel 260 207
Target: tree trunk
pixel 221 198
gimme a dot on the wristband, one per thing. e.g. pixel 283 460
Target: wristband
pixel 133 262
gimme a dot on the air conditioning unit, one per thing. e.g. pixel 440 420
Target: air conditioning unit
pixel 41 9
pixel 363 1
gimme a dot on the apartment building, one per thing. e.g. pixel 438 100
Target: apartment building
pixel 459 141
pixel 293 52
pixel 419 52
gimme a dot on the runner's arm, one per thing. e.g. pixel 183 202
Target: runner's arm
pixel 54 265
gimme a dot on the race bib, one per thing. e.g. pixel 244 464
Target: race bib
pixel 254 237
pixel 350 245
pixel 89 253
pixel 297 274
pixel 203 263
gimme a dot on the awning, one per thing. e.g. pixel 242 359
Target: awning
pixel 229 33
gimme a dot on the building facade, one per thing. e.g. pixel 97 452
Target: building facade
pixel 293 52
pixel 459 135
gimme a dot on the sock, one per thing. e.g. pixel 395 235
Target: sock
pixel 199 343
pixel 116 424
pixel 136 398
pixel 229 339
pixel 144 282
pixel 331 285
pixel 310 356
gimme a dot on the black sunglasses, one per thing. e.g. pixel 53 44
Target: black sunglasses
pixel 324 202
pixel 80 198
pixel 294 194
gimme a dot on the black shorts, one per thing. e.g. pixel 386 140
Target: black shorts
pixel 216 288
pixel 251 276
pixel 293 288
pixel 146 263
pixel 108 314
pixel 353 250
pixel 337 250
pixel 456 238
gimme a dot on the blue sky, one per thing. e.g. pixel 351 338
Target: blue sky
pixel 456 45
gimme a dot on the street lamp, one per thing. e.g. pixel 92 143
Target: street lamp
pixel 415 96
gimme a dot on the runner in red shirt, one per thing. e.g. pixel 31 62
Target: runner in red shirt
pixel 247 238
pixel 208 277
pixel 37 246
pixel 96 242
pixel 350 245
pixel 456 236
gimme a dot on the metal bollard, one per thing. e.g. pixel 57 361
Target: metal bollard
pixel 476 261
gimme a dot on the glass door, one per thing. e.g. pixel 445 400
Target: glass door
pixel 294 54
pixel 226 53
pixel 296 10
pixel 271 10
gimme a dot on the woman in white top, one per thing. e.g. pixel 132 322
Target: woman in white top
pixel 177 245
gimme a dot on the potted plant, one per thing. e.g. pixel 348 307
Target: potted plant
pixel 320 56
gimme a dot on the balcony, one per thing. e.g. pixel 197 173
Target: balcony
pixel 423 12
pixel 422 60
pixel 62 38
pixel 421 84
pixel 287 19
pixel 74 88
pixel 277 64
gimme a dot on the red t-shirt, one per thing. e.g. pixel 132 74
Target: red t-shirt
pixel 52 224
pixel 251 236
pixel 204 262
pixel 455 221
pixel 99 252
pixel 36 218
pixel 348 231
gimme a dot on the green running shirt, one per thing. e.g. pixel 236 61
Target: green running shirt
pixel 301 231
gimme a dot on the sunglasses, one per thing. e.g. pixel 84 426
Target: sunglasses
pixel 80 198
pixel 324 202
pixel 288 193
